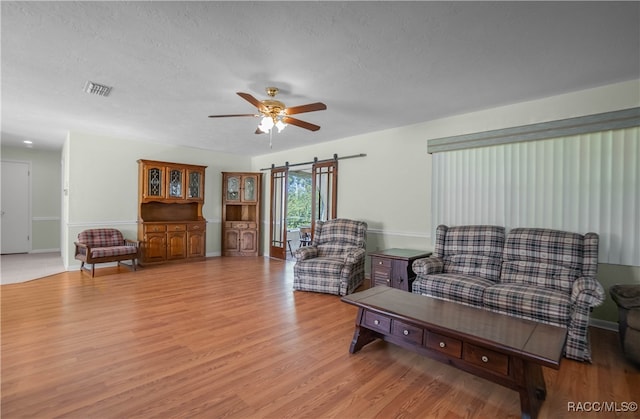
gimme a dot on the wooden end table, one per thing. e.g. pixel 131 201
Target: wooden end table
pixel 503 349
pixel 392 267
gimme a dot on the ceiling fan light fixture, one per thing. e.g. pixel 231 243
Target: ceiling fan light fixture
pixel 280 125
pixel 266 124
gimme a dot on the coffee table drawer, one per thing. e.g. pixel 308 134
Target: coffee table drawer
pixel 377 321
pixel 486 358
pixel 408 332
pixel 444 344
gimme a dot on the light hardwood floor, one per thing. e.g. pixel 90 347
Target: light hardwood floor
pixel 229 337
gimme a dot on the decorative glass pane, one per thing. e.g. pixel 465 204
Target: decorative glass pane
pixel 250 189
pixel 175 183
pixel 233 189
pixel 194 185
pixel 155 182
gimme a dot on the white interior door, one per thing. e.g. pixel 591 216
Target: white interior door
pixel 16 209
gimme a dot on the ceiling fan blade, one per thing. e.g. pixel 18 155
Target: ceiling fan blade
pixel 252 100
pixel 259 132
pixel 227 116
pixel 301 124
pixel 318 106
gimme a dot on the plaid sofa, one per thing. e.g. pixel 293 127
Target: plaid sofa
pixel 334 262
pixel 99 245
pixel 533 273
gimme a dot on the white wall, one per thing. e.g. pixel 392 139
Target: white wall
pixel 101 178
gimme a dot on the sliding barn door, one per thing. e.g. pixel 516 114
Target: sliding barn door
pixel 324 192
pixel 278 234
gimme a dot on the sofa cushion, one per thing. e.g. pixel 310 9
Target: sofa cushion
pixel 537 256
pixel 539 274
pixel 466 289
pixel 471 250
pixel 530 302
pixel 469 264
pixel 99 252
pixel 320 266
pixel 101 237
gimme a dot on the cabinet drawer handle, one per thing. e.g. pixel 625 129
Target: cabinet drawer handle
pixel 442 344
pixel 485 358
pixel 376 322
pixel 196 227
pixel 380 263
pixel 405 332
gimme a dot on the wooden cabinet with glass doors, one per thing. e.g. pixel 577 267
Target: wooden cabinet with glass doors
pixel 170 222
pixel 241 195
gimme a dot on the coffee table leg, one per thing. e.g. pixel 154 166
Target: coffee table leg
pixel 361 336
pixel 534 391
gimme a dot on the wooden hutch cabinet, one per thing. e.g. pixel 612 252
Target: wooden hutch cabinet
pixel 241 195
pixel 170 222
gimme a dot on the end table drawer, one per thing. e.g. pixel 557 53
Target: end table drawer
pixel 444 344
pixel 408 332
pixel 377 321
pixel 375 261
pixel 486 358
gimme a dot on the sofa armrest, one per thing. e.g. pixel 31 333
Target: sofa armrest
pixel 587 291
pixel 82 249
pixel 426 266
pixel 355 254
pixel 129 242
pixel 306 252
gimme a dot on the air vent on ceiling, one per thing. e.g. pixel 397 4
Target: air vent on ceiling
pixel 97 89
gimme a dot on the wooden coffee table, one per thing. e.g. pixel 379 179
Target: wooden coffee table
pixel 505 350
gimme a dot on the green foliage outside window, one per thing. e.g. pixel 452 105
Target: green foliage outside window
pixel 299 200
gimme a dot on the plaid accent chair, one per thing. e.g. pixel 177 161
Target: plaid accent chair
pixel 99 245
pixel 549 276
pixel 334 263
pixel 466 260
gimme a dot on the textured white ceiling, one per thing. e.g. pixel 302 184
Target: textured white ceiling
pixel 376 65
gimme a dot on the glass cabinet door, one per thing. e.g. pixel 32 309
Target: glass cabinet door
pixel 175 183
pixel 194 179
pixel 249 189
pixel 155 182
pixel 233 188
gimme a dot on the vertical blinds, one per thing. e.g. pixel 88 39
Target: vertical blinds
pixel 580 183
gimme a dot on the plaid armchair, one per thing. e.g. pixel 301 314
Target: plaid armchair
pixel 99 245
pixel 334 263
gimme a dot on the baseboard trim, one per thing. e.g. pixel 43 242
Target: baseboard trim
pixel 46 251
pixel 604 324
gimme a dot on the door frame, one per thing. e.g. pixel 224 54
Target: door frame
pixel 278 216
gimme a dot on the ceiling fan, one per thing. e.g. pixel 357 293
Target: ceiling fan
pixel 275 113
